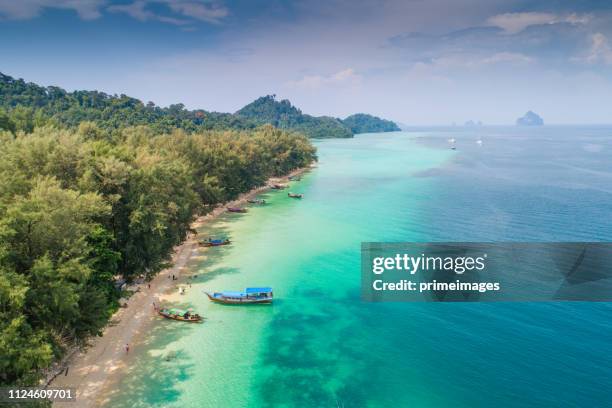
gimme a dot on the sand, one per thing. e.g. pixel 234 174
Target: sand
pixel 104 361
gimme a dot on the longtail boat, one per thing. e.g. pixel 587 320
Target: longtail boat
pixel 215 242
pixel 248 297
pixel 278 186
pixel 256 201
pixel 236 209
pixel 295 195
pixel 180 314
pixel 295 178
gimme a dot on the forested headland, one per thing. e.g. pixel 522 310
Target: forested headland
pixel 94 187
pixel 364 123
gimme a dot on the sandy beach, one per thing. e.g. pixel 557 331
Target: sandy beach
pixel 104 361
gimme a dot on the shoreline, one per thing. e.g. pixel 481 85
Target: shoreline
pixel 103 361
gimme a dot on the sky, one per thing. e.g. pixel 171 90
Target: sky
pixel 418 62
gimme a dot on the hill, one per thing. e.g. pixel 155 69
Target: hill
pixel 364 123
pixel 283 115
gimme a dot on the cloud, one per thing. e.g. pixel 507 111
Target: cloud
pixel 507 57
pixel 27 9
pixel 468 61
pixel 204 12
pixel 347 76
pixel 513 23
pixel 600 50
pixel 186 11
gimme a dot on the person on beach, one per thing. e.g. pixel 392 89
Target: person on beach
pixel 127 348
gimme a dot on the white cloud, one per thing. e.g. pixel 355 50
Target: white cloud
pixel 204 12
pixel 513 23
pixel 188 11
pixel 347 76
pixel 27 9
pixel 185 11
pixel 600 50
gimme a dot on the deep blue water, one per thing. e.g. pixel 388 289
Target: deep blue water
pixel 545 185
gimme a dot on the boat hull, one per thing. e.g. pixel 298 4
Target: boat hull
pixel 211 244
pixel 237 210
pixel 179 318
pixel 245 301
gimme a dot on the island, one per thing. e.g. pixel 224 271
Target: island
pixel 364 123
pixel 530 119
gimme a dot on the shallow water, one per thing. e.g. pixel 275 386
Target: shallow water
pixel 320 345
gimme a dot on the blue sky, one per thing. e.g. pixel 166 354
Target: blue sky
pixel 417 62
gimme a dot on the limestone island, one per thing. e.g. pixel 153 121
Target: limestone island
pixel 530 119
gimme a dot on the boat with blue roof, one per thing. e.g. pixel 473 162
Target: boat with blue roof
pixel 260 295
pixel 215 242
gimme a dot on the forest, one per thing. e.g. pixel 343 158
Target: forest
pixel 89 194
pixel 27 105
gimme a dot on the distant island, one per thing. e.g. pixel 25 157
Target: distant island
pixel 530 119
pixel 27 104
pixel 364 123
pixel 471 123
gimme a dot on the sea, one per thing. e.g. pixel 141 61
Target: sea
pixel 321 345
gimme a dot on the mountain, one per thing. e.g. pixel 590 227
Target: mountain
pixel 530 119
pixel 364 123
pixel 284 115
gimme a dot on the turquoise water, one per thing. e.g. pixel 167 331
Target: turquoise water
pixel 319 345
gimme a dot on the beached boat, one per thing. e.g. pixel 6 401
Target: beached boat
pixel 278 186
pixel 249 296
pixel 295 195
pixel 180 314
pixel 256 201
pixel 236 209
pixel 295 178
pixel 215 242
